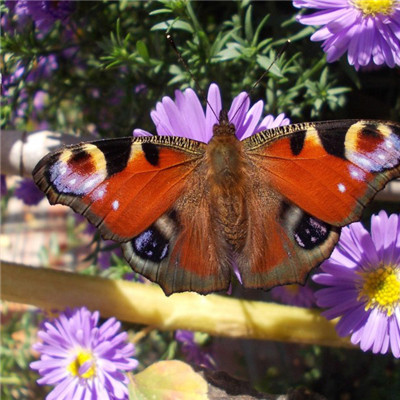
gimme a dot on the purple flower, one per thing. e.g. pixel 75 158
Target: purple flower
pixel 141 88
pixel 369 30
pixel 28 192
pixel 185 116
pixel 294 295
pixel 83 360
pixel 44 13
pixel 18 9
pixel 39 100
pixel 192 350
pixel 104 259
pixel 90 229
pixel 3 185
pixel 363 279
pixel 41 68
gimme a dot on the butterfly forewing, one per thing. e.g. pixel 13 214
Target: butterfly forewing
pixel 329 169
pixel 119 184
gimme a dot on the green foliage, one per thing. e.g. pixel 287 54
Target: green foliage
pixel 112 64
pixel 19 327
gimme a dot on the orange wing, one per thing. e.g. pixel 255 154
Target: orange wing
pixel 329 169
pixel 308 180
pixel 183 250
pixel 121 185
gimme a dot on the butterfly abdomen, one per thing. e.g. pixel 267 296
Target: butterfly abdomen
pixel 226 180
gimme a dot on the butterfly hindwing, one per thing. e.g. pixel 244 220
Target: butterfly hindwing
pixel 283 242
pixel 182 250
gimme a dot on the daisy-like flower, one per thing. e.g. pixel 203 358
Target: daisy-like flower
pixel 185 116
pixel 363 279
pixel 369 30
pixel 294 295
pixel 83 360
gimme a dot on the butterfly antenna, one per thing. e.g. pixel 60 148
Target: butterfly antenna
pixel 183 62
pixel 249 93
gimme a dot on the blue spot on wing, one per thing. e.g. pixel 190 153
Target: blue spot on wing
pixel 151 245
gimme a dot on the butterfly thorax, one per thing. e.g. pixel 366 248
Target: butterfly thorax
pixel 226 169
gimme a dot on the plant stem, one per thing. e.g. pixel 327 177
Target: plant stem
pixel 147 304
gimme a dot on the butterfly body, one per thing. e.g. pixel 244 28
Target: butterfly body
pixel 226 181
pixel 185 212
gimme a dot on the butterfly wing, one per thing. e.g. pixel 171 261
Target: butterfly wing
pixel 315 178
pixel 183 250
pixel 147 193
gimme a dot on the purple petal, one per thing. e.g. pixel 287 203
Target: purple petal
pixel 190 106
pixel 351 321
pixel 370 329
pixel 213 101
pixel 320 4
pixel 394 333
pixel 140 132
pixel 239 107
pixel 321 17
pixel 251 120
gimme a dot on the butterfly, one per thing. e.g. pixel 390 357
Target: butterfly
pixel 185 212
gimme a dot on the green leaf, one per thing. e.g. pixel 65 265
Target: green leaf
pixel 232 51
pixel 258 31
pixel 248 27
pixel 164 380
pixel 142 50
pixel 266 63
pixel 176 24
pixel 160 11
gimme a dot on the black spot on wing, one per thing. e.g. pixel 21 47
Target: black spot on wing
pixel 310 232
pixel 116 153
pixel 333 141
pixel 370 130
pixel 151 152
pixel 297 142
pixel 79 156
pixel 151 245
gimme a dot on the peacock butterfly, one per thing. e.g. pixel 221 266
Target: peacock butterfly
pixel 185 211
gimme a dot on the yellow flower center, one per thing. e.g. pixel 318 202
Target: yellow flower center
pixel 81 358
pixel 373 7
pixel 381 288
